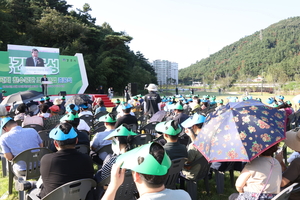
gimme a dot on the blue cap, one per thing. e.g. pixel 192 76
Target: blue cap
pixel 280 97
pixel 57 134
pixel 84 106
pixel 270 100
pixel 68 109
pixel 196 119
pixel 125 106
pixel 3 122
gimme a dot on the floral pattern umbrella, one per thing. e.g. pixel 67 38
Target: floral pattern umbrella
pixel 240 131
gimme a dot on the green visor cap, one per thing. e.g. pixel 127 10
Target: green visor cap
pixel 167 128
pixel 120 131
pixel 149 166
pixel 107 118
pixel 69 117
pixel 178 106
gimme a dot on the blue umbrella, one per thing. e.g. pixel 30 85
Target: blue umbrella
pixel 240 131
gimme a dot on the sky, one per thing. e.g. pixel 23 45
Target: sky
pixel 186 31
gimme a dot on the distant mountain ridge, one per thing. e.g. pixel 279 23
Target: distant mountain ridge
pixel 272 52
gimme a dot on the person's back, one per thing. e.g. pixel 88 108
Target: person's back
pixel 17 140
pixel 127 118
pixel 151 100
pixel 67 164
pixel 149 166
pixel 171 130
pixel 175 150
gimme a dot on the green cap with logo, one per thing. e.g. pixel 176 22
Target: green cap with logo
pixel 109 118
pixel 122 130
pixel 140 160
pixel 168 127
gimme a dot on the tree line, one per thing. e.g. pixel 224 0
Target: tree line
pixel 54 23
pixel 273 53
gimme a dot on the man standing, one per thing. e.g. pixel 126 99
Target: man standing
pixel 16 139
pixel 34 61
pixel 110 93
pixel 44 86
pixel 67 164
pixel 152 100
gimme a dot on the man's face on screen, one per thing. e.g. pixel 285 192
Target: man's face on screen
pixel 35 54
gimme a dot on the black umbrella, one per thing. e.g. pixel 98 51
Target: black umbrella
pixel 79 99
pixel 158 116
pixel 22 97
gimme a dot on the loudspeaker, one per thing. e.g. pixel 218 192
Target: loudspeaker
pixel 62 93
pixel 132 89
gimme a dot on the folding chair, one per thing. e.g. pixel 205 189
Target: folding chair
pixel 75 190
pixel 47 141
pixel 85 149
pixel 140 139
pixel 100 114
pixel 3 162
pixel 128 189
pixel 37 127
pixel 191 185
pixel 149 128
pixel 32 158
pixel 285 194
pixel 89 119
pixel 173 174
pixel 133 127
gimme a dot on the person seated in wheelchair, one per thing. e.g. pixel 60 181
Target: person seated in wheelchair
pixel 149 165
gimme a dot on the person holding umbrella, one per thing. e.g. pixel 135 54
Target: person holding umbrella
pixel 192 128
pixel 260 178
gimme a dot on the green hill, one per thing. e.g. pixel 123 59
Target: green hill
pixel 272 52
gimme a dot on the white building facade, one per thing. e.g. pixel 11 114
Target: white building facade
pixel 166 72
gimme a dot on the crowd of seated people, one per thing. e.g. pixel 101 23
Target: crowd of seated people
pixel 67 130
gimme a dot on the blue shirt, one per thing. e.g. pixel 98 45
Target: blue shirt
pixel 19 139
pixel 98 142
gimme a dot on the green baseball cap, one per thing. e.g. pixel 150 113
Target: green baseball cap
pixel 168 127
pixel 120 131
pixel 149 164
pixel 107 118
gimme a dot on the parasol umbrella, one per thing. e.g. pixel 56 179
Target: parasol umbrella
pixel 296 99
pixel 158 116
pixel 22 97
pixel 79 99
pixel 240 131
